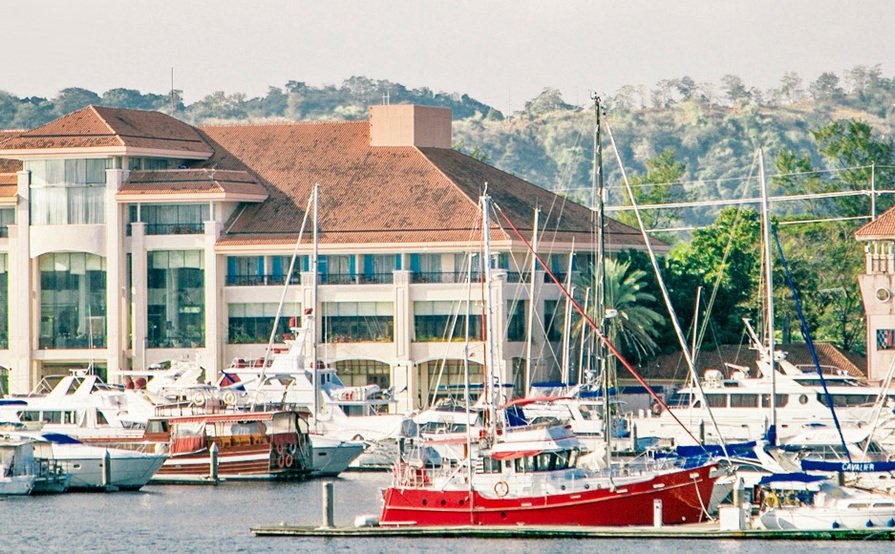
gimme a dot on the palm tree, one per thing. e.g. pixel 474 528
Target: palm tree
pixel 634 325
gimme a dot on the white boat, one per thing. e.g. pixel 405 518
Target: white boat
pixel 798 501
pixel 332 456
pixel 127 470
pixel 17 466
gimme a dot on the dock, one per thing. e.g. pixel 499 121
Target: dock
pixel 695 531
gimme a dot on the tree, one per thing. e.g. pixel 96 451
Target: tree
pixel 826 88
pixel 635 325
pixel 659 185
pixel 735 89
pixel 549 100
pixel 73 99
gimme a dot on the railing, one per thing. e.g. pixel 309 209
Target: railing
pixel 172 228
pixel 518 277
pixel 561 277
pixel 442 277
pixel 356 279
pixel 259 280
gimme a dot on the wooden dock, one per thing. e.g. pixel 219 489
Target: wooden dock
pixel 696 531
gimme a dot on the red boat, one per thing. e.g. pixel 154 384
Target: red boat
pixel 530 477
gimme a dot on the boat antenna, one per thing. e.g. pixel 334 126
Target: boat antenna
pixel 314 279
pixel 490 358
pixel 769 290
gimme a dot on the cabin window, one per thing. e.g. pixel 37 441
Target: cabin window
pixel 52 416
pixel 28 416
pixel 716 400
pixel 780 400
pixel 743 400
pixel 101 419
pixel 679 400
pixel 490 465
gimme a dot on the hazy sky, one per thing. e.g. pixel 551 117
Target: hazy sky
pixel 500 52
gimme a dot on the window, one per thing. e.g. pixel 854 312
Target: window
pixel 357 373
pixel 743 400
pixel 516 318
pixel 446 320
pixel 176 305
pixel 68 191
pixel 716 400
pixel 358 322
pixel 171 219
pixel 252 323
pixel 885 339
pixel 72 300
pixel 780 400
pixel 552 320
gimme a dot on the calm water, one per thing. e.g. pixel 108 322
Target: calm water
pixel 217 519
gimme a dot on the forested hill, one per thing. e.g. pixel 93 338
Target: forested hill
pixel 697 139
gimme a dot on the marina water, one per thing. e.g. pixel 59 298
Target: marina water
pixel 182 518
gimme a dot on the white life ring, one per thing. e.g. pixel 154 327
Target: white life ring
pixel 198 399
pixel 501 488
pixel 229 398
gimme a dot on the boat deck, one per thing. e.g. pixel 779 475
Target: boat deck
pixel 695 531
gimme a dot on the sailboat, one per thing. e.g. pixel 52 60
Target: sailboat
pixel 529 475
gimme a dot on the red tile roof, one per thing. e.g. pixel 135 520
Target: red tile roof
pixel 882 228
pixel 96 126
pixel 193 182
pixel 383 194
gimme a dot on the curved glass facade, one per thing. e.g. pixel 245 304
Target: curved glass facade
pixel 176 306
pixel 72 300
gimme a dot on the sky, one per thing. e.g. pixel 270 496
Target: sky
pixel 500 52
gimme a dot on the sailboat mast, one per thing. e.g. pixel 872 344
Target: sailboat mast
pixel 531 304
pixel 490 362
pixel 769 283
pixel 600 276
pixel 314 279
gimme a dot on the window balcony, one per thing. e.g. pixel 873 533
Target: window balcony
pixel 443 277
pixel 357 279
pixel 172 228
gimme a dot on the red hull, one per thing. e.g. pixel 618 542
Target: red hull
pixel 684 495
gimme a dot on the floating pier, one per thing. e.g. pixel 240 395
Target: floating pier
pixel 694 531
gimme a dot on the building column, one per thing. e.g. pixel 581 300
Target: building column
pixel 402 370
pixel 215 311
pixel 22 310
pixel 139 293
pixel 116 292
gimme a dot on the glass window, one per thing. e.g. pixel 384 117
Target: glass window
pixel 516 318
pixel 716 400
pixel 356 373
pixel 252 323
pixel 72 300
pixel 885 339
pixel 173 219
pixel 445 320
pixel 358 322
pixel 176 304
pixel 552 320
pixel 68 191
pixel 743 400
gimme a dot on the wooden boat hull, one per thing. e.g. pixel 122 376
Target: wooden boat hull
pixel 684 494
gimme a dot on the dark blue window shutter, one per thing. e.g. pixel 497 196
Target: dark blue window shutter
pixel 276 267
pixel 322 265
pixel 260 265
pixel 352 265
pixel 398 261
pixel 368 265
pixel 415 263
pixel 231 265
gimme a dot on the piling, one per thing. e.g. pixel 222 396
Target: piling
pixel 107 470
pixel 657 512
pixel 739 492
pixel 213 466
pixel 328 519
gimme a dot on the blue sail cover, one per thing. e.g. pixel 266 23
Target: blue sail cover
pixel 847 467
pixel 790 478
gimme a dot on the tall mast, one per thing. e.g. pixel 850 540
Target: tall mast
pixel 490 362
pixel 531 303
pixel 314 278
pixel 769 283
pixel 600 276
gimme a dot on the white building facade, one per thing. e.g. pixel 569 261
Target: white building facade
pixel 133 238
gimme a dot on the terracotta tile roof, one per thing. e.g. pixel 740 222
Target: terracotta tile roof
pixel 379 194
pixel 96 126
pixel 882 228
pixel 674 366
pixel 192 182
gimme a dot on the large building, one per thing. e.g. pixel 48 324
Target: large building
pixel 130 237
pixel 877 291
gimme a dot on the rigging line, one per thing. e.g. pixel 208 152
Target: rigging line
pixel 806 333
pixel 596 329
pixel 276 319
pixel 671 312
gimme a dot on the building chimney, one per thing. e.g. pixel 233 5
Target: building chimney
pixel 410 125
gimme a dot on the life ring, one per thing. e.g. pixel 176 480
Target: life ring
pixel 501 488
pixel 656 408
pixel 281 460
pixel 198 399
pixel 771 500
pixel 287 460
pixel 229 398
pixel 280 450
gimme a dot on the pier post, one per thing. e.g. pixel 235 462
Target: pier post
pixel 739 493
pixel 634 437
pixel 213 469
pixel 328 505
pixel 702 431
pixel 657 512
pixel 107 470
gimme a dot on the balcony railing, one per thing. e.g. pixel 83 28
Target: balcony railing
pixel 259 280
pixel 357 278
pixel 442 277
pixel 172 228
